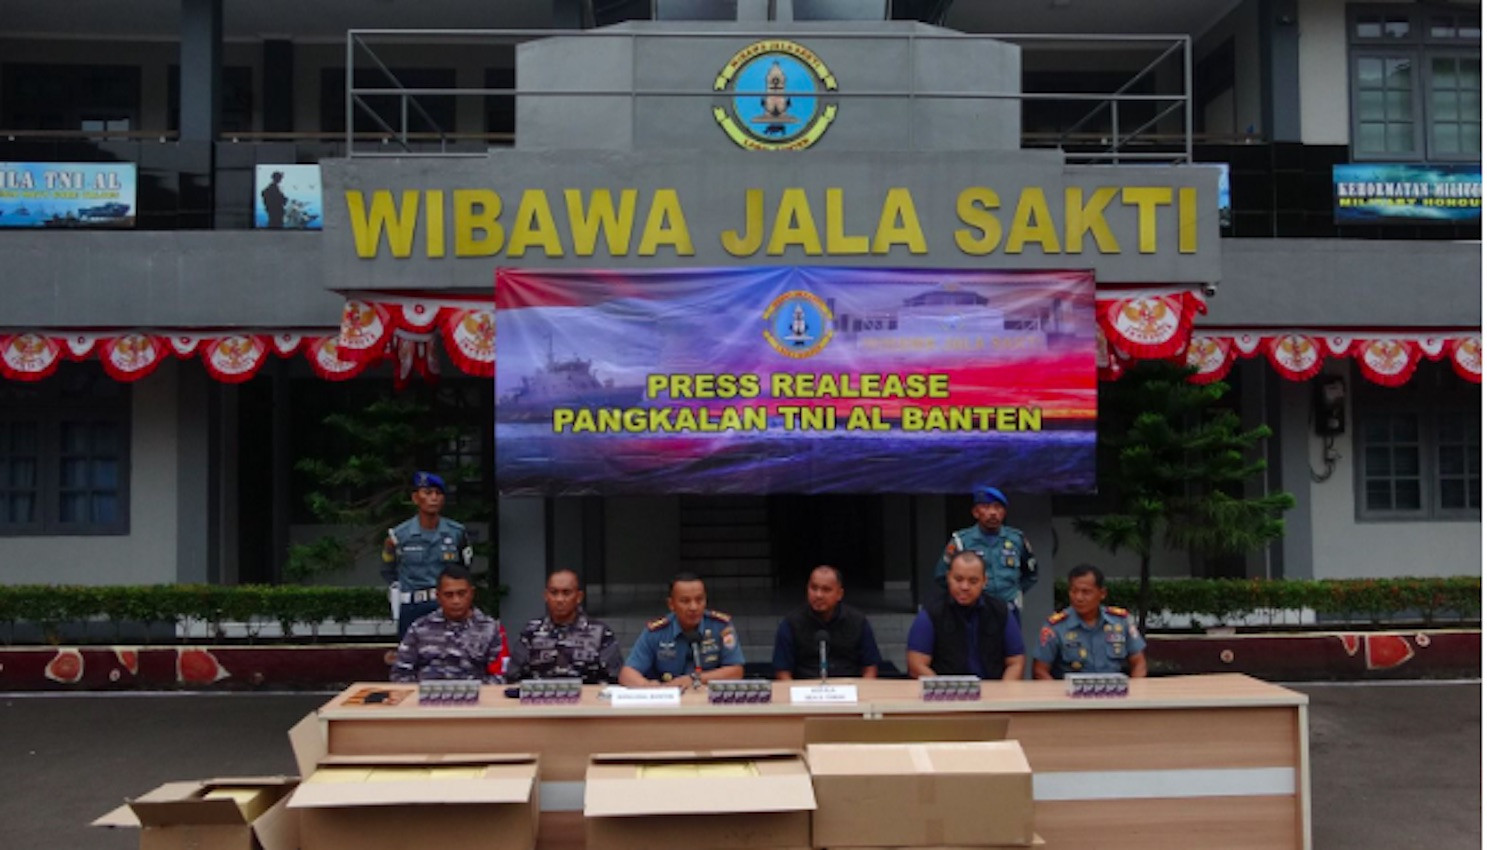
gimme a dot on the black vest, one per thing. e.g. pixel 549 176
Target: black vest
pixel 952 648
pixel 845 636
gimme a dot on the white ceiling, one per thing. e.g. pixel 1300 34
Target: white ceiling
pixel 328 20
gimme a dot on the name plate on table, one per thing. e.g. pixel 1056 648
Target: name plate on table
pixel 645 697
pixel 815 694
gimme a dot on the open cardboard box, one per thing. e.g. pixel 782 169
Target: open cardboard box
pixel 961 794
pixel 906 730
pixel 721 799
pixel 231 813
pixel 1036 843
pixel 410 802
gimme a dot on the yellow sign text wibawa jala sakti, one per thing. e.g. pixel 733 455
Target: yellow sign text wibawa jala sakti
pixel 793 417
pixel 483 222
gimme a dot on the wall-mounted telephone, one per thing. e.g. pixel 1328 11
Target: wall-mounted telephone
pixel 1329 406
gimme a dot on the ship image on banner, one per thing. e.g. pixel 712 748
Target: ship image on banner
pixel 67 194
pixel 793 380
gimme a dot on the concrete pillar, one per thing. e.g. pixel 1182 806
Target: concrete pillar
pixel 201 70
pixel 523 557
pixel 1280 70
pixel 1298 453
pixel 754 10
pixel 195 496
pixel 282 460
pixel 1034 515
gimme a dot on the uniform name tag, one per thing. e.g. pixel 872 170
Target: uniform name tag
pixel 645 697
pixel 816 694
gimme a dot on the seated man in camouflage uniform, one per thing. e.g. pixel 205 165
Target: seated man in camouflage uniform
pixel 565 643
pixel 458 641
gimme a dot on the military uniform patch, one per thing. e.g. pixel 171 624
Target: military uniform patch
pixel 1059 616
pixel 719 616
pixel 730 640
pixel 657 624
pixel 1119 612
pixel 1044 636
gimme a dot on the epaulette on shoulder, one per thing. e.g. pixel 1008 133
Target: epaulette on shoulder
pixel 657 624
pixel 1057 617
pixel 719 616
pixel 1117 611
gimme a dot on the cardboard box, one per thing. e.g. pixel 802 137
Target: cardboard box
pixel 906 730
pixel 232 813
pixel 722 800
pixel 969 794
pixel 1037 842
pixel 411 802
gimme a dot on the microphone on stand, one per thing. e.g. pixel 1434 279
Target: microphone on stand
pixel 694 640
pixel 821 639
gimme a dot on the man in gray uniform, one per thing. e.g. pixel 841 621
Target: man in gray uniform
pixel 692 640
pixel 1089 636
pixel 1011 568
pixel 565 643
pixel 458 641
pixel 416 550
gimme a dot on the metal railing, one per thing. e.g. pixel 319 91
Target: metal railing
pixel 1088 139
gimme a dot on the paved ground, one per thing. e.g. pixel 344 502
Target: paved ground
pixel 1394 767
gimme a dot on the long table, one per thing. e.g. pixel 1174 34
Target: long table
pixel 1214 761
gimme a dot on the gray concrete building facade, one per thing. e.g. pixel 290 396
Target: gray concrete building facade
pixel 935 108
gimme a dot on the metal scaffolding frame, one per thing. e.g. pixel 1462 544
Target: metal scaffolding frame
pixel 1110 143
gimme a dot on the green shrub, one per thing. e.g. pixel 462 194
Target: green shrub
pixel 1458 597
pixel 295 608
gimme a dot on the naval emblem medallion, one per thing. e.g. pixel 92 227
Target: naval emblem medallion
pixel 775 95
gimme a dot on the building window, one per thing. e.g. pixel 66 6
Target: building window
pixel 1455 106
pixel 64 454
pixel 1419 449
pixel 1416 83
pixel 70 97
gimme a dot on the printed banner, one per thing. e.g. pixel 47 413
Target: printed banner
pixel 1406 194
pixel 794 380
pixel 287 197
pixel 67 194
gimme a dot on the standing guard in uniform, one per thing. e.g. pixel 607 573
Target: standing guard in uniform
pixel 1089 636
pixel 457 641
pixel 417 550
pixel 565 643
pixel 1011 569
pixel 851 648
pixel 690 641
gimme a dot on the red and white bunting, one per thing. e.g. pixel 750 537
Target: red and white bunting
pixel 1212 357
pixel 417 316
pixel 1387 360
pixel 29 356
pixel 1295 356
pixel 365 331
pixel 185 345
pixel 79 346
pixel 1150 326
pixel 287 344
pixel 470 340
pixel 234 359
pixel 1390 362
pixel 326 362
pixel 130 357
pixel 1466 357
